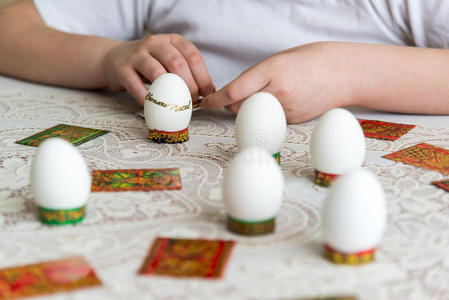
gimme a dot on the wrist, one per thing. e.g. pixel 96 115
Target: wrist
pixel 107 60
pixel 349 61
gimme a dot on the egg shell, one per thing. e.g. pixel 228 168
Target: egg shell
pixel 338 143
pixel 261 123
pixel 253 186
pixel 354 213
pixel 171 90
pixel 59 176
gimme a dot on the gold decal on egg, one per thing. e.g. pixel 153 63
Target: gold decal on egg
pixel 174 107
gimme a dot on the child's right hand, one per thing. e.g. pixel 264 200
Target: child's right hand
pixel 127 63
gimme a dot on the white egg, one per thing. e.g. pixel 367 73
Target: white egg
pixel 338 143
pixel 60 179
pixel 168 105
pixel 253 191
pixel 354 213
pixel 261 123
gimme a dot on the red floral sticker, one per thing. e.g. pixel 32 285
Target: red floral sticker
pixel 187 258
pixel 423 155
pixel 384 130
pixel 46 278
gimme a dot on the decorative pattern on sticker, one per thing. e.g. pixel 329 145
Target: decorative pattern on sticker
pixel 423 155
pixel 187 258
pixel 442 184
pixel 73 134
pixel 174 107
pixel 46 278
pixel 384 130
pixel 136 180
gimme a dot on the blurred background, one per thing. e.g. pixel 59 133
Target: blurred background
pixel 5 2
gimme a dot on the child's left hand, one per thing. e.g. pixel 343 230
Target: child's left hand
pixel 307 80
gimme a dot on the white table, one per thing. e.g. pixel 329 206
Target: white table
pixel 412 261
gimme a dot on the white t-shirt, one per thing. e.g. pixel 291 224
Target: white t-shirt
pixel 233 35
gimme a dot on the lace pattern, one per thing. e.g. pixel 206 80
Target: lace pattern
pixel 411 261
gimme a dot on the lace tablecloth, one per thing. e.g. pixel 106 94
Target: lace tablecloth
pixel 412 260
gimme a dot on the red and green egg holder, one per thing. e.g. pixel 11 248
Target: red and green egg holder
pixel 169 137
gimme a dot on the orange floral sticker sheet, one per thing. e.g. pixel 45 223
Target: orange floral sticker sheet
pixel 442 184
pixel 187 258
pixel 423 155
pixel 384 130
pixel 136 180
pixel 46 278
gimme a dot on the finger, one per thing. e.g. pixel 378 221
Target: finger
pixel 248 83
pixel 235 107
pixel 196 64
pixel 133 84
pixel 149 68
pixel 174 62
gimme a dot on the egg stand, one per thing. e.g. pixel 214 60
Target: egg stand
pixel 251 228
pixel 357 258
pixel 61 216
pixel 168 137
pixel 324 179
pixel 277 157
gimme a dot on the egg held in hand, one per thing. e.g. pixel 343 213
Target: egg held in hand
pixel 337 145
pixel 253 190
pixel 354 218
pixel 168 109
pixel 60 182
pixel 261 123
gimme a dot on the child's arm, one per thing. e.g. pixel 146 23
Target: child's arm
pixel 31 50
pixel 311 79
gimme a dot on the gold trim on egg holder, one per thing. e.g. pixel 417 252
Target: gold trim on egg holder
pixel 169 137
pixel 358 258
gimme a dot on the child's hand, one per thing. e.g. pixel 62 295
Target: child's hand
pixel 307 80
pixel 125 65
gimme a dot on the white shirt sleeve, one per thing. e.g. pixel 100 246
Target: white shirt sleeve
pixel 118 19
pixel 429 22
pixel 421 23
